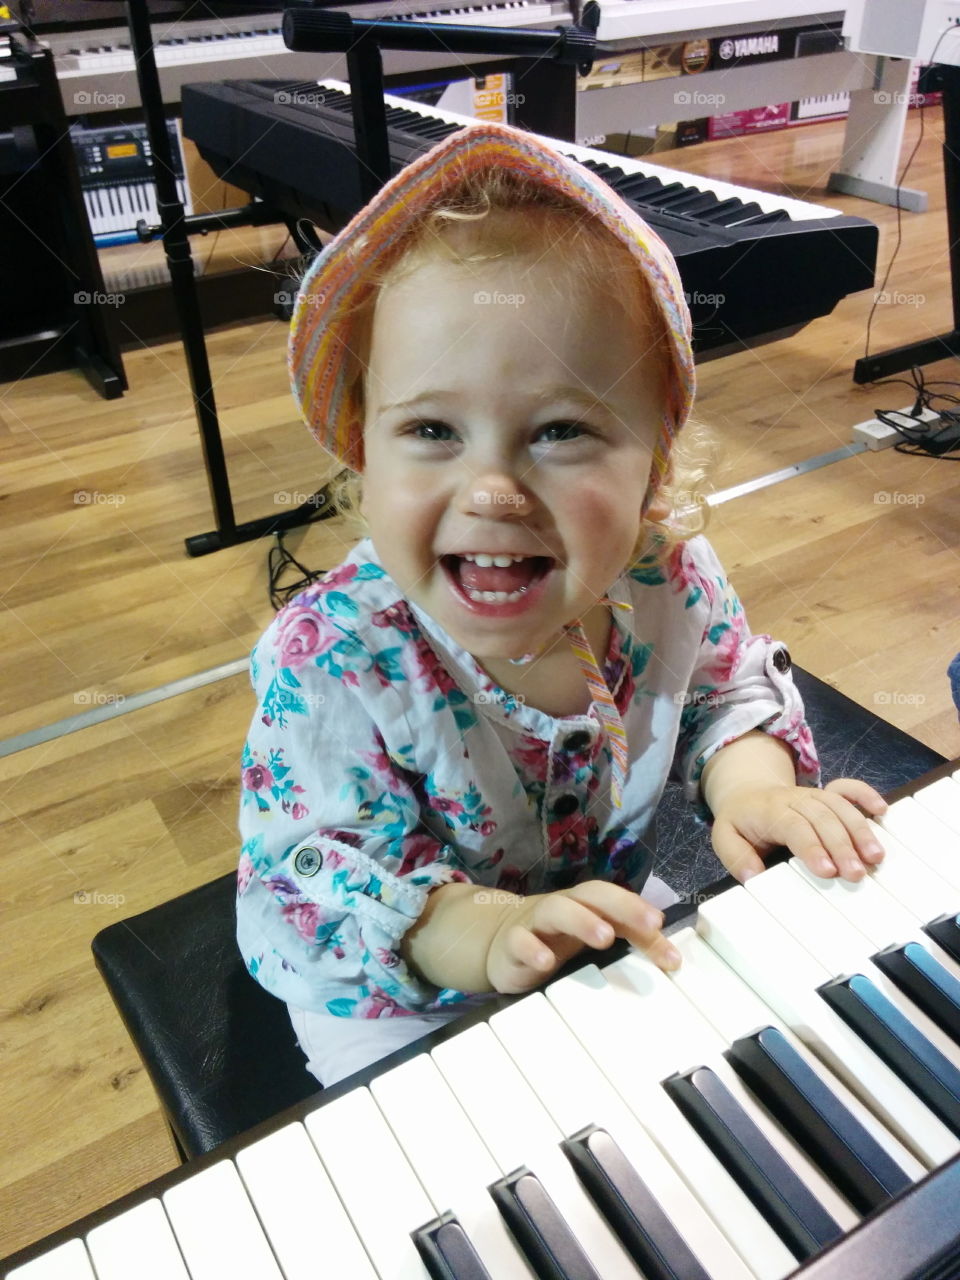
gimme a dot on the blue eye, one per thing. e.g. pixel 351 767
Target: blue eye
pixel 435 429
pixel 569 430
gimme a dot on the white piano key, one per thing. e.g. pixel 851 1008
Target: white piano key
pixel 838 946
pixel 926 835
pixel 882 919
pixel 139 1242
pixel 288 1184
pixel 942 798
pixel 595 1013
pixel 691 1042
pixel 518 1131
pixel 797 209
pixel 576 1093
pixel 67 1262
pixel 217 1228
pixel 911 881
pixel 373 1178
pixel 736 1010
pixel 786 977
pixel 459 1185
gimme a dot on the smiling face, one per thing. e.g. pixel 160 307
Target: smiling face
pixel 511 410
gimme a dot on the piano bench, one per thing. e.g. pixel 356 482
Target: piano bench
pixel 220 1050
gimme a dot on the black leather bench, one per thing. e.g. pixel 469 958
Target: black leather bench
pixel 221 1051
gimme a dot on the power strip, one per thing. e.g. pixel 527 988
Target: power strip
pixel 877 435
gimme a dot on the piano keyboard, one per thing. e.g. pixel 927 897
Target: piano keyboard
pixel 723 202
pixel 95 67
pixel 733 1120
pixel 115 167
pixel 754 265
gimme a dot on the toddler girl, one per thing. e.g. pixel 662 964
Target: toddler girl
pixel 464 730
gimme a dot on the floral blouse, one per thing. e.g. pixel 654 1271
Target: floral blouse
pixel 383 760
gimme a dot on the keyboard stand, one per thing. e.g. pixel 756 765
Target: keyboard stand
pixel 870 368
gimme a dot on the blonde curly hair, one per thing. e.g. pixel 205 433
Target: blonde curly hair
pixel 497 214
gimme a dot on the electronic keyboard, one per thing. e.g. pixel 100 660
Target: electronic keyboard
pixel 786 1103
pixel 116 175
pixel 754 266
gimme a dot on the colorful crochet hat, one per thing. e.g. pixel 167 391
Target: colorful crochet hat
pixel 321 333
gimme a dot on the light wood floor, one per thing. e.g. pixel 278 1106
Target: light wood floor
pixel 102 602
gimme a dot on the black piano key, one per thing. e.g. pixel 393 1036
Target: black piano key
pixel 665 196
pixel 768 215
pixel 551 1248
pixel 637 188
pixel 724 211
pixel 697 202
pixel 946 931
pixel 447 1251
pixel 895 1039
pixel 924 979
pixel 797 1216
pixel 814 1116
pixel 625 1201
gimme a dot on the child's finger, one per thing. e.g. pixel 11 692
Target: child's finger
pixel 858 792
pixel 737 854
pixel 560 913
pixel 521 962
pixel 845 834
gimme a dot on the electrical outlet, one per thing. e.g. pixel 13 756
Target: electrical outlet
pixel 877 435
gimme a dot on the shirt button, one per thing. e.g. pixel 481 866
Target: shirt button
pixel 781 660
pixel 577 741
pixel 308 861
pixel 566 804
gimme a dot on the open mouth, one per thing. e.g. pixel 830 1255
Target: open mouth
pixel 496 584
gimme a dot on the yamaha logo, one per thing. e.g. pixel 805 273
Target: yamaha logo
pixel 749 47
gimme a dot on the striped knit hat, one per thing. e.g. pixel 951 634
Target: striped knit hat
pixel 321 332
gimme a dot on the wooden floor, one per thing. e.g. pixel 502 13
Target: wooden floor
pixel 102 602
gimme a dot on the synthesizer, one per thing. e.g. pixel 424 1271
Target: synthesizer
pixel 96 72
pixel 116 176
pixel 755 266
pixel 785 1104
pixel 95 66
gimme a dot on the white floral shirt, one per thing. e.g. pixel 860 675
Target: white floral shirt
pixel 383 760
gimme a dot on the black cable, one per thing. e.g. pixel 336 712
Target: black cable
pixel 279 559
pixel 906 167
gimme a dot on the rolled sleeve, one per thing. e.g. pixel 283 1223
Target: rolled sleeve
pixel 739 682
pixel 335 864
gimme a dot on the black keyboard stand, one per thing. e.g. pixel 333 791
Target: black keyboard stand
pixel 913 354
pixel 175 228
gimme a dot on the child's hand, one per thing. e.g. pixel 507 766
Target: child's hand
pixel 822 828
pixel 546 929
